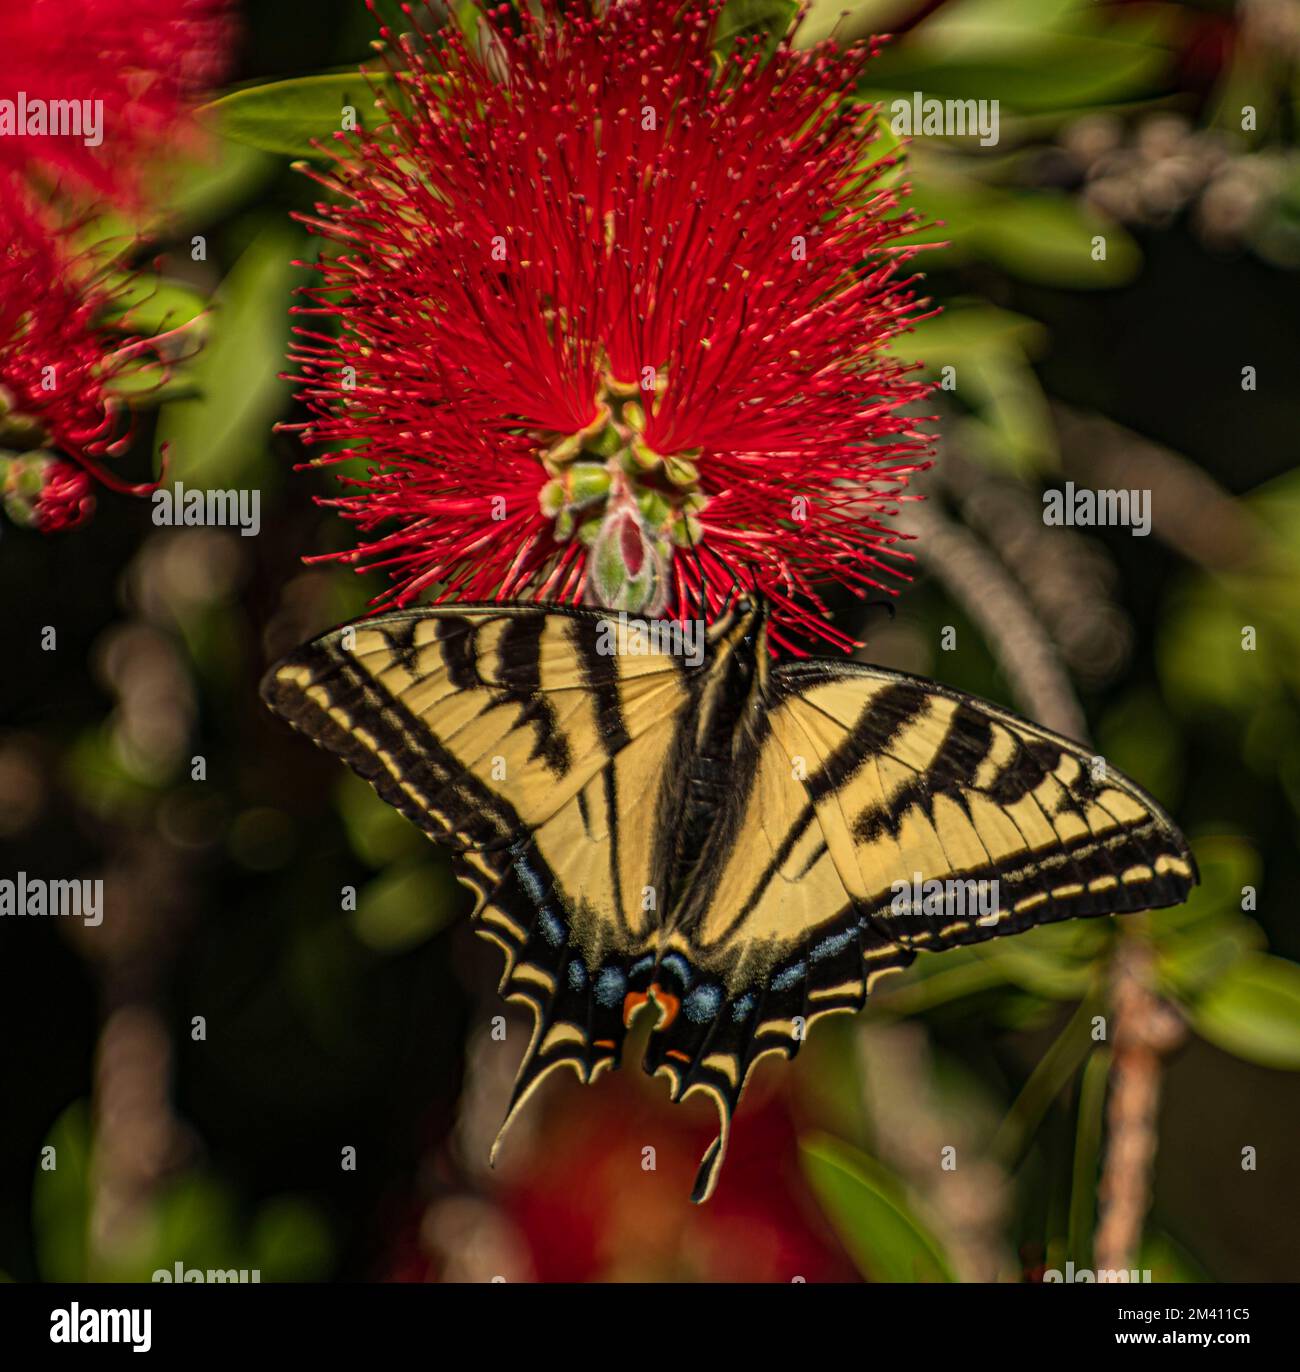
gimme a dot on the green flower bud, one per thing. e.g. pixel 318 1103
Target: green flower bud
pixel 681 471
pixel 606 443
pixel 23 480
pixel 655 508
pixel 644 457
pixel 628 569
pixel 588 483
pixel 551 498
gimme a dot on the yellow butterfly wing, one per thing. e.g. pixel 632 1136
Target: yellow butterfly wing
pixel 516 737
pixel 854 788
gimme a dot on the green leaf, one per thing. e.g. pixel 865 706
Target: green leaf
pixel 1253 1011
pixel 1054 960
pixel 1039 236
pixel 290 117
pixel 1049 1078
pixel 1087 1152
pixel 193 1222
pixel 217 440
pixel 747 17
pixel 61 1199
pixel 403 907
pixel 1048 239
pixel 204 189
pixel 1191 961
pixel 150 304
pixel 147 387
pixel 1168 1261
pixel 989 350
pixel 378 833
pixel 1030 72
pixel 865 1203
pixel 967 328
pixel 290 1241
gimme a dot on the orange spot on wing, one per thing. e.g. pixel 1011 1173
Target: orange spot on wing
pixel 667 1002
pixel 670 1004
pixel 676 1053
pixel 603 1043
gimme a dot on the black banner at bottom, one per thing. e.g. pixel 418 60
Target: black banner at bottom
pixel 339 1320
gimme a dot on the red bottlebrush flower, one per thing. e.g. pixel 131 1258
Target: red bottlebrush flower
pixel 47 493
pixel 612 319
pixel 59 366
pixel 91 89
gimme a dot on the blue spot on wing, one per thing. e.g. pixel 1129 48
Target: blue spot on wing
pixel 611 986
pixel 552 929
pixel 702 1004
pixel 528 879
pixel 680 968
pixel 792 976
pixel 743 1008
pixel 828 947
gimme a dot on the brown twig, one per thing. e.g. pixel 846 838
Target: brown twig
pixel 1146 1029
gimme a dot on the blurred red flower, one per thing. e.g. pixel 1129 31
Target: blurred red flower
pixel 613 318
pixel 59 369
pixel 145 60
pixel 590 1210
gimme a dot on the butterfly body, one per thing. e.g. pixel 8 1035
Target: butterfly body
pixel 721 842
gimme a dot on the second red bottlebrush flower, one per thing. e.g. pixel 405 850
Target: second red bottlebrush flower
pixel 612 319
pixel 92 90
pixel 60 368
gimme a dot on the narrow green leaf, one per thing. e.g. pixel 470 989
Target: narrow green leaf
pixel 967 327
pixel 1031 72
pixel 291 117
pixel 1045 1083
pixel 875 1223
pixel 217 439
pixel 61 1198
pixel 1087 1151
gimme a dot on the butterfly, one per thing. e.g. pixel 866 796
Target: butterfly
pixel 741 844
